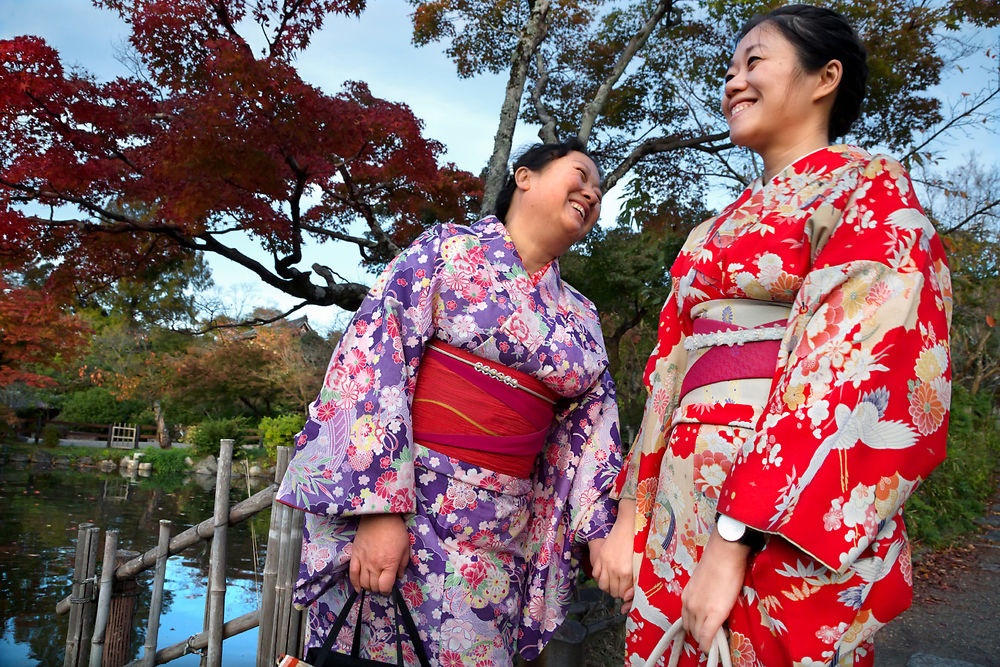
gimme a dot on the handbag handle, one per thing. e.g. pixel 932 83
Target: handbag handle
pixel 674 637
pixel 400 610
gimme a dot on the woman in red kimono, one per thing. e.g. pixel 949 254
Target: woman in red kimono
pixel 799 388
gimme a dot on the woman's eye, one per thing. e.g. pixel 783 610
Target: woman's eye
pixel 751 60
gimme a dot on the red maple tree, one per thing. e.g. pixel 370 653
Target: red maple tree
pixel 208 141
pixel 35 333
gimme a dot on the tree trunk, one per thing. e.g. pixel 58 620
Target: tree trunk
pixel 531 36
pixel 162 432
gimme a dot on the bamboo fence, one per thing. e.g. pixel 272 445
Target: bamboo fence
pixel 100 621
pixel 282 627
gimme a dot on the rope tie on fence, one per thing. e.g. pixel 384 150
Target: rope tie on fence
pixel 188 648
pixel 87 597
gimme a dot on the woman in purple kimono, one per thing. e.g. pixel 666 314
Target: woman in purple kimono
pixel 465 439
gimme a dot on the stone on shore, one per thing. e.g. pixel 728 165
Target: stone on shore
pixel 207 466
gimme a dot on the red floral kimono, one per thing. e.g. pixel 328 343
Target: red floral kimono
pixel 800 384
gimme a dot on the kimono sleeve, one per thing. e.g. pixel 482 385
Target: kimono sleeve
pixel 592 509
pixel 355 454
pixel 572 505
pixel 857 414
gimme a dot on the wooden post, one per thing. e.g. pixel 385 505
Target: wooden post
pixel 266 655
pixel 294 546
pixel 118 635
pixel 73 638
pixel 89 608
pixel 282 594
pixel 217 563
pixel 156 603
pixel 280 629
pixel 104 599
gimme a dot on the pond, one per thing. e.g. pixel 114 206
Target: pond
pixel 41 509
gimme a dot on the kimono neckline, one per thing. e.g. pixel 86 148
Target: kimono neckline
pixel 484 228
pixel 757 185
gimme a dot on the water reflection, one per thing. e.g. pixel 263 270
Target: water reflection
pixel 41 509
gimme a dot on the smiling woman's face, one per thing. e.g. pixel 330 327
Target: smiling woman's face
pixel 564 196
pixel 767 96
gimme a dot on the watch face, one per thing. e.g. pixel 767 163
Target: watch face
pixel 730 529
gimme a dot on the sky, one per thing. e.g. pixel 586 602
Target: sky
pixel 376 49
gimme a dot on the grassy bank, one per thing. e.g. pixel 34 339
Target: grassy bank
pixel 165 461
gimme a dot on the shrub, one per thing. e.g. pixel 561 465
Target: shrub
pixel 50 435
pixel 204 437
pixel 281 430
pixel 165 461
pixel 97 405
pixel 956 493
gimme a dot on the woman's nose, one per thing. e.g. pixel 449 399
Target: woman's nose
pixel 734 84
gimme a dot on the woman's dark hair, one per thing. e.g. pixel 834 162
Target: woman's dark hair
pixel 536 158
pixel 820 35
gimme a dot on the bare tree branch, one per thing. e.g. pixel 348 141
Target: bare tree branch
pixel 530 36
pixel 366 211
pixel 547 133
pixel 594 107
pixel 256 321
pixel 982 210
pixel 662 145
pixel 951 123
pixel 357 240
pixel 347 295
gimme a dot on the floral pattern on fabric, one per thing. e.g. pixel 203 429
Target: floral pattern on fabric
pixel 855 417
pixel 494 557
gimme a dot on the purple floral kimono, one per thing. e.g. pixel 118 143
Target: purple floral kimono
pixel 493 557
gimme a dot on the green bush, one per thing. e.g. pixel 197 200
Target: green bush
pixel 256 454
pixel 281 430
pixel 96 405
pixel 50 435
pixel 955 494
pixel 204 437
pixel 165 461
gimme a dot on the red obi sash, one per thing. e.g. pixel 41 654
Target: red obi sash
pixel 735 352
pixel 479 411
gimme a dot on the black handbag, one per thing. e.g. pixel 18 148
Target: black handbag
pixel 324 656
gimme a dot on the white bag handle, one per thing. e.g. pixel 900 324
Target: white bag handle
pixel 675 638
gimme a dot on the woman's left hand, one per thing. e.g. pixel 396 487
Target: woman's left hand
pixel 709 596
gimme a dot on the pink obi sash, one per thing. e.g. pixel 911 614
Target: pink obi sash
pixel 479 411
pixel 734 353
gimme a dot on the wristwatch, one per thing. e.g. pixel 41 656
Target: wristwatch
pixel 732 530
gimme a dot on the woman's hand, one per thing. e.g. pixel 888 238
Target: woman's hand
pixel 709 596
pixel 612 558
pixel 380 552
